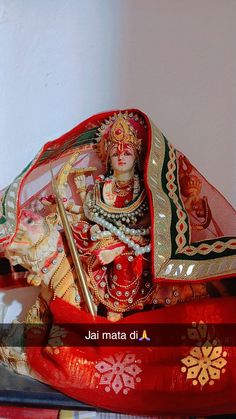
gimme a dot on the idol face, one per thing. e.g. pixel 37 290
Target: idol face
pixel 122 161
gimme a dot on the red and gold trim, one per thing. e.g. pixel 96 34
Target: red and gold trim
pixel 167 261
pixel 181 225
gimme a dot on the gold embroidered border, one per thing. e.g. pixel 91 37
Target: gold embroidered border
pixel 201 269
pixel 181 225
pixel 204 248
pixel 11 201
pixel 161 203
pixel 11 205
pixel 164 267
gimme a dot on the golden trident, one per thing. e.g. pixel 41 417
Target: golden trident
pixel 73 250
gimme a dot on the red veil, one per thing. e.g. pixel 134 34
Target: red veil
pixel 193 240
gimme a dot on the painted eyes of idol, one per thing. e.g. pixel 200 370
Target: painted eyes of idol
pixel 29 220
pixel 125 153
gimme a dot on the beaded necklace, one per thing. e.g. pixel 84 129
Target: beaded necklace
pixel 112 220
pixel 122 188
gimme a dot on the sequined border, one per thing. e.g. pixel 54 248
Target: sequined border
pixel 164 266
pixel 161 203
pixel 180 270
pixel 204 248
pixel 181 225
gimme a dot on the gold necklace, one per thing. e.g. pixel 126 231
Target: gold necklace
pixel 122 188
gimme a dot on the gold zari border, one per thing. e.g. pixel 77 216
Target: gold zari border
pixel 161 204
pixel 200 269
pixel 164 266
pixel 205 248
pixel 181 225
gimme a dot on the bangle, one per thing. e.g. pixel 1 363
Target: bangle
pixel 83 189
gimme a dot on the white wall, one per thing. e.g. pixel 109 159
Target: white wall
pixel 63 60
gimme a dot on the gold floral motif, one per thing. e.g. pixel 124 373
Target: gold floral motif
pixel 56 335
pixel 206 361
pixel 119 373
pixel 55 338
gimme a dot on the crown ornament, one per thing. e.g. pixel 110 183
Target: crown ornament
pixel 190 185
pixel 118 131
pixel 122 133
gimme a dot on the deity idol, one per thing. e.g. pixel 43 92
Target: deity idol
pixel 118 242
pixel 150 233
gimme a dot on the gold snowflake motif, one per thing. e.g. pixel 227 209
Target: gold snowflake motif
pixel 206 362
pixel 119 373
pixel 55 339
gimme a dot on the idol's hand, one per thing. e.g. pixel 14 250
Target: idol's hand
pixel 80 183
pixel 81 186
pixel 95 229
pixel 95 232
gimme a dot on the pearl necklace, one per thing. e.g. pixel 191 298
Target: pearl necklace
pixel 127 230
pixel 139 250
pixel 130 218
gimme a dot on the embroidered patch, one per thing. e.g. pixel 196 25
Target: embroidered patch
pixel 55 339
pixel 205 362
pixel 119 373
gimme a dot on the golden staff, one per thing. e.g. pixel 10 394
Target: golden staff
pixel 70 239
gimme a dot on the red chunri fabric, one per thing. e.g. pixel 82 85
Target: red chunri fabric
pixel 150 380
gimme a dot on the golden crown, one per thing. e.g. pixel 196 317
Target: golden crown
pixel 120 132
pixel 190 184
